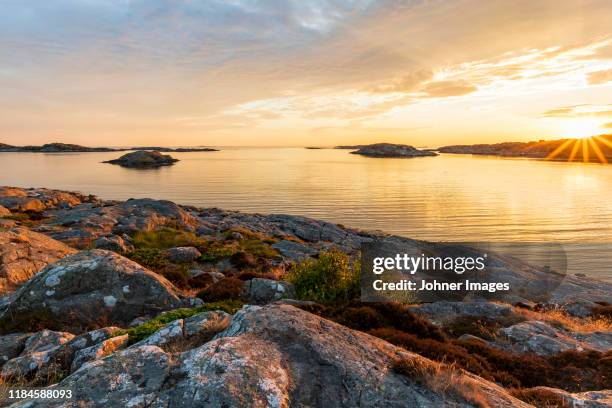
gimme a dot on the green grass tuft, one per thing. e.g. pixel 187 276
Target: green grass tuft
pixel 149 327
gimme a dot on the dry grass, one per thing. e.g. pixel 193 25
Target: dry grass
pixel 560 319
pixel 444 379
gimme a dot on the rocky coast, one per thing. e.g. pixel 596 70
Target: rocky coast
pixel 147 303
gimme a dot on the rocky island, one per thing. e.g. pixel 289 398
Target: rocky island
pixel 392 150
pixel 73 148
pixel 148 303
pixel 54 148
pixel 143 159
pixel 562 149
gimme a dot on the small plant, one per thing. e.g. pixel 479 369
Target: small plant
pixel 330 279
pixel 149 327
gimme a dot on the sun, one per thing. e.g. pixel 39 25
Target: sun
pixel 581 128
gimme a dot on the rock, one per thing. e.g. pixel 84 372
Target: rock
pixel 22 204
pixel 392 150
pixel 23 253
pixel 169 333
pixel 207 323
pixel 144 159
pixel 259 291
pixel 87 290
pixel 544 340
pixel 204 325
pixel 11 346
pixel 579 307
pixel 46 340
pixel 444 312
pixel 204 230
pixel 145 214
pixel 98 351
pixel 183 254
pixel 39 353
pixel 4 212
pixel 113 243
pixel 590 399
pixel 275 356
pixel 293 250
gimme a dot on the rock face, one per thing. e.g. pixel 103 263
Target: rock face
pixel 590 399
pixel 392 150
pixel 23 253
pixel 260 291
pixel 183 254
pixel 87 290
pixel 144 159
pixel 275 356
pixel 542 339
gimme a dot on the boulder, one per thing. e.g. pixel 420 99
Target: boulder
pixel 183 254
pixel 38 354
pixel 11 346
pixel 259 291
pixel 144 159
pixel 444 312
pixel 22 204
pixel 203 326
pixel 544 340
pixel 145 214
pixel 275 356
pixel 98 351
pixel 23 253
pixel 112 243
pixel 4 212
pixel 392 150
pixel 579 307
pixel 87 290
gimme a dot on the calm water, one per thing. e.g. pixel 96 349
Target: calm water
pixel 450 198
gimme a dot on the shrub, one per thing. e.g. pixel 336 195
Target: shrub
pixel 224 289
pixel 369 316
pixel 177 274
pixel 242 260
pixel 330 279
pixel 604 311
pixel 541 398
pixel 149 327
pixel 152 258
pixel 213 251
pixel 164 238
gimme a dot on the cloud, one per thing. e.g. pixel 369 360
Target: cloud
pixel 600 77
pixel 448 88
pixel 607 125
pixel 578 111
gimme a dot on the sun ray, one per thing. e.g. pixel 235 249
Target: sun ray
pixel 585 151
pixel 597 150
pixel 559 149
pixel 574 150
pixel 604 141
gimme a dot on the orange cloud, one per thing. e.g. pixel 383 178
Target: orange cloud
pixel 448 88
pixel 600 77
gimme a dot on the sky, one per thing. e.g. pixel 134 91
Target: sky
pixel 303 73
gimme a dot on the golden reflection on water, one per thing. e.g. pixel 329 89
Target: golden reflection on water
pixel 446 198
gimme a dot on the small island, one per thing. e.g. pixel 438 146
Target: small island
pixel 57 147
pixel 392 150
pixel 142 159
pixel 54 148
